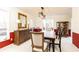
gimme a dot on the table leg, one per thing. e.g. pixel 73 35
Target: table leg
pixel 49 46
pixel 53 46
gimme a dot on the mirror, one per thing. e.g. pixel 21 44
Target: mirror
pixel 22 21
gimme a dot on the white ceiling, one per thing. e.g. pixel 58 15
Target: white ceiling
pixel 48 10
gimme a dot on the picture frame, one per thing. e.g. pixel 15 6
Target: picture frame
pixel 22 21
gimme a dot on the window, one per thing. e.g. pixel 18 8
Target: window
pixel 48 24
pixel 3 24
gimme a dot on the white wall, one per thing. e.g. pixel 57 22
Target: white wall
pixel 34 20
pixel 38 22
pixel 52 13
pixel 13 17
pixel 59 18
pixel 75 20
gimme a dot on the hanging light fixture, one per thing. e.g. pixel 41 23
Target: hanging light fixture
pixel 41 14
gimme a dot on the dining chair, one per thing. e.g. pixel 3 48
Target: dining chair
pixel 58 41
pixel 50 38
pixel 38 44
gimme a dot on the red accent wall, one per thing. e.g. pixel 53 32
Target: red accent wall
pixel 7 42
pixel 75 39
pixel 12 36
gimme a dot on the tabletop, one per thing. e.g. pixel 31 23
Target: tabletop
pixel 49 34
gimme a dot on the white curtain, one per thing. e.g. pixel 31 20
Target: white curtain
pixel 48 24
pixel 3 24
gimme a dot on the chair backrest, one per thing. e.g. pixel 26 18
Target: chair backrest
pixel 37 39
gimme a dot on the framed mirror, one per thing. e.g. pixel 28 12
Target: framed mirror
pixel 22 21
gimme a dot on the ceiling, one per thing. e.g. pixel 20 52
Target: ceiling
pixel 48 10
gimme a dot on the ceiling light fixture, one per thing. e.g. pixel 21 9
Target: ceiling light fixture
pixel 41 13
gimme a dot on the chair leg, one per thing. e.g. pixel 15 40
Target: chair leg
pixel 60 47
pixel 53 47
pixel 49 46
pixel 47 49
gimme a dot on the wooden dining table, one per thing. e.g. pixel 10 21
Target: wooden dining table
pixel 50 35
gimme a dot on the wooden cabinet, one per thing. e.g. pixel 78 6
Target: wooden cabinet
pixel 63 27
pixel 21 36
